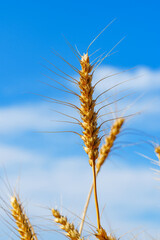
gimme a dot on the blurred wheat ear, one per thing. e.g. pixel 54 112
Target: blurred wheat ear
pixel 25 228
pixel 157 151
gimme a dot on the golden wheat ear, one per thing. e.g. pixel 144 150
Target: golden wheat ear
pixel 109 141
pixel 25 228
pixel 69 228
pixel 87 111
pixel 157 151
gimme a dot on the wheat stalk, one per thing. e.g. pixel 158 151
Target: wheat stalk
pixel 69 228
pixel 25 228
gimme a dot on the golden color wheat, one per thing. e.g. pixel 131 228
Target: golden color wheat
pixel 69 228
pixel 25 228
pixel 87 110
pixel 90 136
pixel 109 141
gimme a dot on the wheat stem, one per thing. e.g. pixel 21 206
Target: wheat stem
pixel 95 195
pixel 85 210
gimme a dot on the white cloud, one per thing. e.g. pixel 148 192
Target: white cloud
pixel 11 155
pixel 29 117
pixel 140 79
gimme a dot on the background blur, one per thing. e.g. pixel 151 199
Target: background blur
pixel 53 169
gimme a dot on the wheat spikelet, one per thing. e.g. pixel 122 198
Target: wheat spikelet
pixel 25 228
pixel 69 228
pixel 109 141
pixel 88 114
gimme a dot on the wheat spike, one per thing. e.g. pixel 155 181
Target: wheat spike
pixel 109 141
pixel 25 228
pixel 69 228
pixel 88 114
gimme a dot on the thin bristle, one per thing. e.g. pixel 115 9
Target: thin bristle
pixel 25 228
pixel 69 228
pixel 109 141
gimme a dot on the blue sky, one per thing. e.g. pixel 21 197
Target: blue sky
pixel 29 32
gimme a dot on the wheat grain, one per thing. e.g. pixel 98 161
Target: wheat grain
pixel 25 228
pixel 69 228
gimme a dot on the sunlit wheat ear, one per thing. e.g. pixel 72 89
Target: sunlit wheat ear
pixel 69 228
pixel 109 141
pixel 25 228
pixel 87 110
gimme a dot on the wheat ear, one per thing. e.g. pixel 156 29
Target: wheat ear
pixel 157 150
pixel 25 228
pixel 104 152
pixel 89 121
pixel 69 228
pixel 87 111
pixel 109 141
pixel 102 235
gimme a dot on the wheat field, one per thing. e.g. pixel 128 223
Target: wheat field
pixel 99 117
